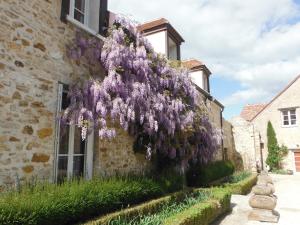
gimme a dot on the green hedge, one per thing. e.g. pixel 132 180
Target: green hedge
pixel 76 201
pixel 198 176
pixel 146 208
pixel 244 186
pixel 205 212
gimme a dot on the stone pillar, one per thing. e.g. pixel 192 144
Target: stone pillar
pixel 263 201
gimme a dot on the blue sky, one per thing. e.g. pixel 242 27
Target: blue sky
pixel 251 47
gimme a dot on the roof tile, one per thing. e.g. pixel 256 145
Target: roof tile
pixel 250 111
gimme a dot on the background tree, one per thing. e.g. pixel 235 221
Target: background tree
pixel 275 152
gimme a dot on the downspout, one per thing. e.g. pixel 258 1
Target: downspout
pixel 222 140
pixel 254 141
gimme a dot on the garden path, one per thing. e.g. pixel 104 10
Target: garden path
pixel 288 205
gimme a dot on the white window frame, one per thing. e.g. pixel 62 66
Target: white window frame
pixel 88 154
pixel 85 13
pixel 289 117
pixel 85 27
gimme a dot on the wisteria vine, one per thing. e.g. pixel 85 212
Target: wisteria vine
pixel 141 92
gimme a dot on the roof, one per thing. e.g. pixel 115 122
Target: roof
pixel 160 24
pixel 250 111
pixel 276 97
pixel 194 64
pixel 154 23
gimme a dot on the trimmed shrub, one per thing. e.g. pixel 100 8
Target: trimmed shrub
pixel 199 176
pixel 75 201
pixel 243 187
pixel 146 208
pixel 238 176
pixel 205 212
pixel 156 211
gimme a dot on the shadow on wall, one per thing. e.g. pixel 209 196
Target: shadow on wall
pixel 230 151
pixel 237 158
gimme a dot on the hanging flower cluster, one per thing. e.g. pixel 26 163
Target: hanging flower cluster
pixel 142 92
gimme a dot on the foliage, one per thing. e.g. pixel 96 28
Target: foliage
pixel 244 186
pixel 153 101
pixel 166 211
pixel 203 213
pixel 204 174
pixel 70 202
pixel 170 180
pixel 282 172
pixel 146 208
pixel 239 176
pixel 276 153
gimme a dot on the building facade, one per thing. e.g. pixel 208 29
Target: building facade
pixel 250 129
pixel 35 74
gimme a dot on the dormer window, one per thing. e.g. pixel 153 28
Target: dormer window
pixel 172 49
pixel 163 37
pixel 90 15
pixel 199 73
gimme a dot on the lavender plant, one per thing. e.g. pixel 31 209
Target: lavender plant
pixel 141 92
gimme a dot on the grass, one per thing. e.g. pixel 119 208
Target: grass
pixel 166 211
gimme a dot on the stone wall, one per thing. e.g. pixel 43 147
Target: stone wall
pixel 214 112
pixel 229 146
pixel 246 141
pixel 32 62
pixel 116 156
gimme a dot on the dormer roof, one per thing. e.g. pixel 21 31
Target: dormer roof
pixel 194 65
pixel 160 25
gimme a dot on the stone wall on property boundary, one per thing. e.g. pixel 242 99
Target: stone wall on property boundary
pixel 32 62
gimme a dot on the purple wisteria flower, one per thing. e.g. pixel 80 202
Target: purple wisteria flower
pixel 141 92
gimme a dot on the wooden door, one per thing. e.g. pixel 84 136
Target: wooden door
pixel 297 161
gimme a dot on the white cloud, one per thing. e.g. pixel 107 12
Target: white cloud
pixel 254 42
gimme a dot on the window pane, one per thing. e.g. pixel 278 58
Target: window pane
pixel 62 168
pixel 65 100
pixel 293 112
pixel 285 113
pixel 79 144
pixel 285 118
pixel 64 140
pixel 79 4
pixel 293 117
pixel 286 122
pixel 78 16
pixel 78 166
pixel 293 122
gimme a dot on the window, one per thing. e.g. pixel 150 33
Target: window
pixel 86 14
pixel 205 82
pixel 73 155
pixel 172 49
pixel 289 117
pixel 79 10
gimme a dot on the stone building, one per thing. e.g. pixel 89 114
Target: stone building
pixel 250 128
pixel 34 76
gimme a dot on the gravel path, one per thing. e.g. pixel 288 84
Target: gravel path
pixel 287 189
